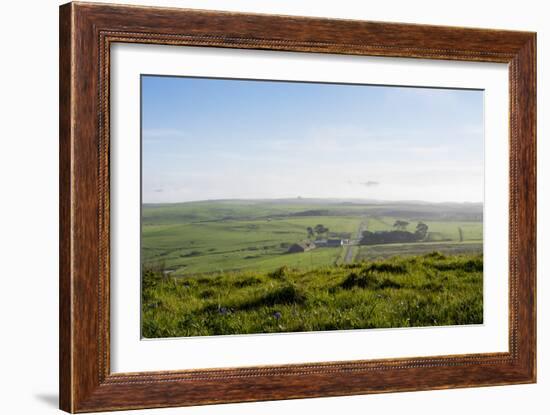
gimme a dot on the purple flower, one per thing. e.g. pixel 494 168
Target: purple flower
pixel 223 311
pixel 277 315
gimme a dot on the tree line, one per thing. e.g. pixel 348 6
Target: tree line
pixel 318 231
pixel 398 235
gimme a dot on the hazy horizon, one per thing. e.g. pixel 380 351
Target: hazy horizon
pixel 216 139
pixel 306 199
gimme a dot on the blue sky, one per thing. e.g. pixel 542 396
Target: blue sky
pixel 221 139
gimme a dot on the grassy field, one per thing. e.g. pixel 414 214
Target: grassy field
pixel 237 244
pixel 194 238
pixel 439 230
pixel 373 252
pixel 428 290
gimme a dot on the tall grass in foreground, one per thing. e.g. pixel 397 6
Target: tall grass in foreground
pixel 427 290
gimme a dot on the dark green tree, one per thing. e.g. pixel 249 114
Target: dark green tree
pixel 421 231
pixel 401 225
pixel 320 230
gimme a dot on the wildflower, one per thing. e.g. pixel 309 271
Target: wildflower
pixel 277 315
pixel 223 311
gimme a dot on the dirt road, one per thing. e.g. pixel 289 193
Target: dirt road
pixel 348 257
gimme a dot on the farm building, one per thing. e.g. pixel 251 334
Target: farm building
pixel 303 246
pixel 330 243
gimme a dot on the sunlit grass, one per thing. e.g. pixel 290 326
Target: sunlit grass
pixel 429 290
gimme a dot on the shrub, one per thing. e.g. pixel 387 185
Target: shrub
pixel 385 267
pixel 247 282
pixel 362 281
pixel 435 255
pixel 368 279
pixel 470 265
pixel 286 295
pixel 280 273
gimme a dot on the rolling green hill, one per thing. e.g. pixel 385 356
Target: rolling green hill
pixel 429 290
pixel 192 238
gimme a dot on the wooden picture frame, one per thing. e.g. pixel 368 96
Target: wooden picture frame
pixel 86 33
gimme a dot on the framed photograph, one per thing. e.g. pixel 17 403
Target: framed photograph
pixel 259 207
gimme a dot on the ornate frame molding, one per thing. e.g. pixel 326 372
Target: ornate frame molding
pixel 87 31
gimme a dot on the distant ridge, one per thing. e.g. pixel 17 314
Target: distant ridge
pixel 325 201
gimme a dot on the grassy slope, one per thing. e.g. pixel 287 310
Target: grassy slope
pixel 417 291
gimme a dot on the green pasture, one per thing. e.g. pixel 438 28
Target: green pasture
pixel 229 245
pixel 220 236
pixel 433 289
pixel 437 230
pixel 373 252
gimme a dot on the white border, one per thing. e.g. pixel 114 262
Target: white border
pixel 130 354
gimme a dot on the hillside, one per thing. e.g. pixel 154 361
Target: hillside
pixel 428 290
